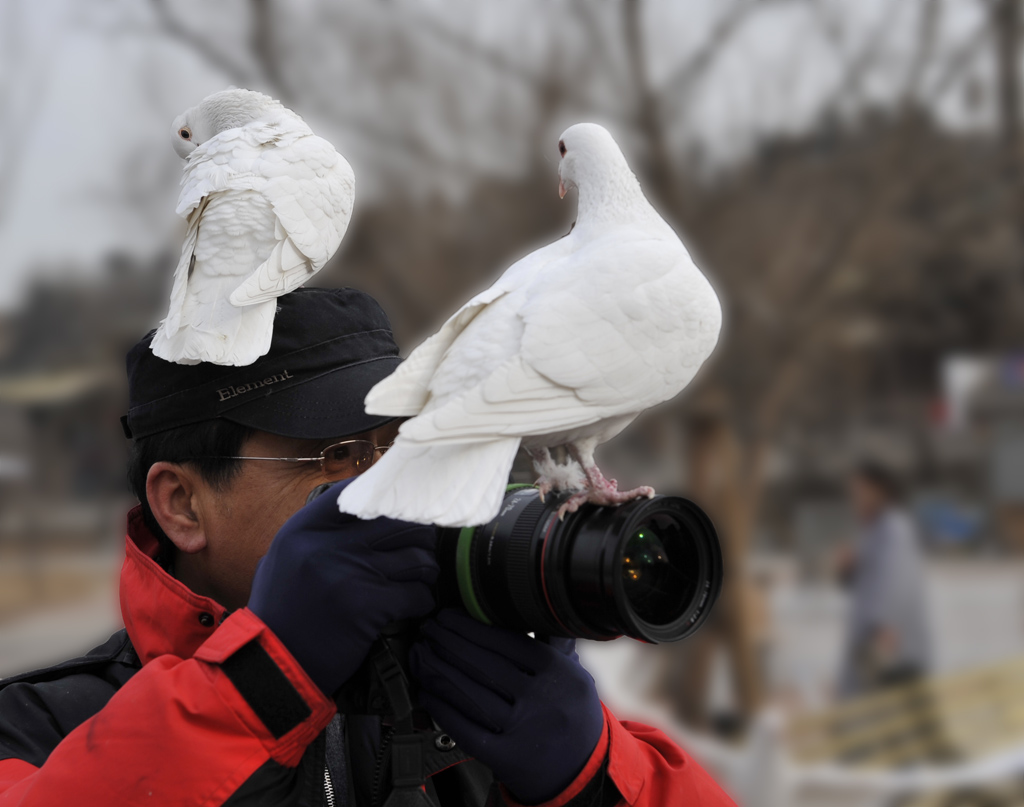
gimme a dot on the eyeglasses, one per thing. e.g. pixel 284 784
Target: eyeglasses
pixel 338 461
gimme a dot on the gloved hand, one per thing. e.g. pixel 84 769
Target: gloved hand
pixel 330 582
pixel 526 709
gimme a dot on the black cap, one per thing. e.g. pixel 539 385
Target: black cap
pixel 330 347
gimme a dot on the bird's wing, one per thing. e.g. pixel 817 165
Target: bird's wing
pixel 406 391
pixel 609 331
pixel 183 270
pixel 513 401
pixel 311 189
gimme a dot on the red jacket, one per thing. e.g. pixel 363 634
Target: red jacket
pixel 192 705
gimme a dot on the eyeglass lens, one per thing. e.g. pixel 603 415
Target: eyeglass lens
pixel 348 458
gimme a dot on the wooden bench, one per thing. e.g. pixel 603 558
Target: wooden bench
pixel 942 721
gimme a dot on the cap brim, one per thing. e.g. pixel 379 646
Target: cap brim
pixel 330 405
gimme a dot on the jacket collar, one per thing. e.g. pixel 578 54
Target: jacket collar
pixel 162 615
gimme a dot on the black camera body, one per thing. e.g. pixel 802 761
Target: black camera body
pixel 650 569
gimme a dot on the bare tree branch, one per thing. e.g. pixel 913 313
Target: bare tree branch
pixel 215 57
pixel 1006 28
pixel 958 61
pixel 467 46
pixel 927 30
pixel 683 77
pixel 586 12
pixel 659 168
pixel 265 49
pixel 850 83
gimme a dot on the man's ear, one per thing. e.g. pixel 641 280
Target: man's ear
pixel 169 491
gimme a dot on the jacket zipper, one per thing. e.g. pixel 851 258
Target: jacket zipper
pixel 379 769
pixel 328 787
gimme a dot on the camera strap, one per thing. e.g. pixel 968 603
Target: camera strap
pixel 408 783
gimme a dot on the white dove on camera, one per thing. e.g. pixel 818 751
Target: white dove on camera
pixel 566 348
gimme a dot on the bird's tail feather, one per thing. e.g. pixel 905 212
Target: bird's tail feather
pixel 448 485
pixel 219 334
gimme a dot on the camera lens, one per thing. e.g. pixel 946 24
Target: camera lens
pixel 655 585
pixel 650 569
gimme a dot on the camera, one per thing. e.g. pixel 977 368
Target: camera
pixel 650 569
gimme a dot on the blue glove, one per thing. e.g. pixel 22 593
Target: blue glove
pixel 330 582
pixel 526 709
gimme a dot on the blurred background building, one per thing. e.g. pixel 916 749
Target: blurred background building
pixel 849 175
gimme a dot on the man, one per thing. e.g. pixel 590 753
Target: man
pixel 887 636
pixel 245 611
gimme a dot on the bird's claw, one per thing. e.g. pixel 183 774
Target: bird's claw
pixel 604 497
pixel 572 504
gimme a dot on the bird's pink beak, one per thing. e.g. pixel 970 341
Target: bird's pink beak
pixel 561 189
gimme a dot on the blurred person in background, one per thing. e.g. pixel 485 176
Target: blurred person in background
pixel 887 640
pixel 246 611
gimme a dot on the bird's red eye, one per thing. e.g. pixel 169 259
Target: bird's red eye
pixel 185 134
pixel 561 147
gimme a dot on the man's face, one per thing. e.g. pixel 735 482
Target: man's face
pixel 241 518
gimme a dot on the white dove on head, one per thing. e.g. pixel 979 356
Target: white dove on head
pixel 228 109
pixel 267 204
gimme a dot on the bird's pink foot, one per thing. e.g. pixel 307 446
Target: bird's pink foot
pixel 604 494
